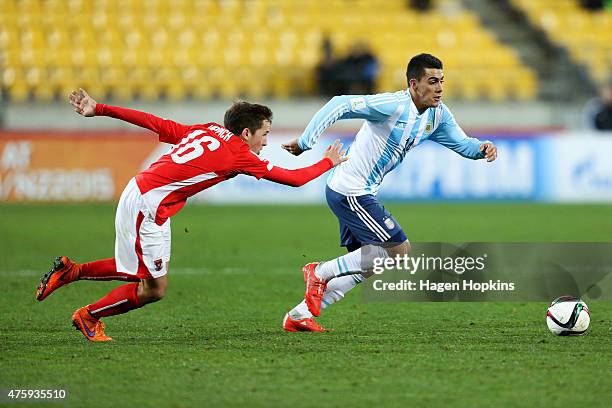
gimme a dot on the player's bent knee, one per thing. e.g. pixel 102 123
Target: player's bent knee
pixel 154 295
pixel 157 294
pixel 407 247
pixel 153 290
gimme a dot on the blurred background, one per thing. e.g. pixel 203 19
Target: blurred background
pixel 534 76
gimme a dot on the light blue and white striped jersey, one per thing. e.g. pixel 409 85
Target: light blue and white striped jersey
pixel 393 126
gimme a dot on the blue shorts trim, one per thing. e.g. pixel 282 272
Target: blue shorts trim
pixel 363 220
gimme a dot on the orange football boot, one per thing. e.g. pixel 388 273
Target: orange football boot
pixel 92 328
pixel 62 273
pixel 315 287
pixel 308 324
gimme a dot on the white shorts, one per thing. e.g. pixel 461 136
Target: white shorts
pixel 142 247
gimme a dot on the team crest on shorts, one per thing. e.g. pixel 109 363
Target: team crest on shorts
pixel 158 264
pixel 389 223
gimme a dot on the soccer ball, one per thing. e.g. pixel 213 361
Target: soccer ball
pixel 568 316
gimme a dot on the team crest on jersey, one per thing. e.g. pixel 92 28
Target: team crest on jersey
pixel 389 223
pixel 428 127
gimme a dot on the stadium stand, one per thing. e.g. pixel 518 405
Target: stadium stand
pixel 224 48
pixel 587 35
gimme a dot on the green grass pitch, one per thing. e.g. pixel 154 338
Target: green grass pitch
pixel 216 340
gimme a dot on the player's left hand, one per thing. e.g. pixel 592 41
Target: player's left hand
pixel 292 147
pixel 335 153
pixel 489 150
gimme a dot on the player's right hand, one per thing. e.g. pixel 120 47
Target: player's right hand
pixel 335 153
pixel 83 103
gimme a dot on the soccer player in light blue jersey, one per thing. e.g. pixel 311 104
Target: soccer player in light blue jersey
pixel 394 124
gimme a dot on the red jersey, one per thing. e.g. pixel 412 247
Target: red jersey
pixel 201 156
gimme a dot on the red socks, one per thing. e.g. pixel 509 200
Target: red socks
pixel 120 300
pixel 104 269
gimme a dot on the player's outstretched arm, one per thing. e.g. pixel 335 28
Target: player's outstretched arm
pixel 337 108
pixel 372 108
pixel 449 134
pixel 168 130
pixel 333 156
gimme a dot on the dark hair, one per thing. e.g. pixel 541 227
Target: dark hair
pixel 418 63
pixel 243 115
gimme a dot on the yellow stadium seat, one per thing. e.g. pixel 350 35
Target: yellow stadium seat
pixel 586 35
pixel 281 87
pixel 176 91
pixel 44 92
pixel 123 92
pixel 201 91
pixel 497 90
pixel 18 92
pixel 228 89
pixel 207 48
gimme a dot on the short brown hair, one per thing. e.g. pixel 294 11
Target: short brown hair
pixel 243 115
pixel 418 64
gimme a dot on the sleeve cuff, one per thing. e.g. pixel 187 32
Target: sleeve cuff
pixel 302 145
pixel 100 109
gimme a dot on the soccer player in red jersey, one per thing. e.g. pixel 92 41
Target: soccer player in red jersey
pixel 201 156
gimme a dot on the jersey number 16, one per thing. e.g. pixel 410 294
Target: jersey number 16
pixel 192 146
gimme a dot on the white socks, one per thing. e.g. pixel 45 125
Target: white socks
pixel 300 311
pixel 336 290
pixel 342 275
pixel 360 260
